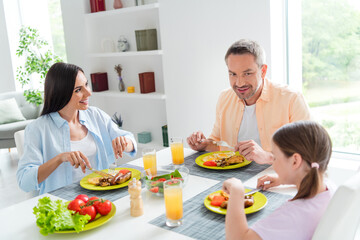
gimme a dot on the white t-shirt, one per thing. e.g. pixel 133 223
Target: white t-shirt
pixel 296 220
pixel 86 146
pixel 249 128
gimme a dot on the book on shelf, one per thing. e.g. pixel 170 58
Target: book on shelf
pixel 147 82
pixel 99 81
pixel 146 39
pixel 97 5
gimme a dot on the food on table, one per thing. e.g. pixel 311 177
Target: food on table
pixel 220 199
pixel 57 215
pixel 155 184
pixel 122 176
pixel 54 216
pixel 222 159
pixel 83 197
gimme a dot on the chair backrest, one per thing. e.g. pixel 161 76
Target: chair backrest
pixel 342 216
pixel 19 141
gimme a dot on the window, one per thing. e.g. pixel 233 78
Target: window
pixel 331 68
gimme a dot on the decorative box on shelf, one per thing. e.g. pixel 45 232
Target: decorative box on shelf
pixel 99 81
pixel 146 39
pixel 144 137
pixel 147 82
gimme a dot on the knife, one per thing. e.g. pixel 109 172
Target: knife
pixel 253 191
pixel 104 174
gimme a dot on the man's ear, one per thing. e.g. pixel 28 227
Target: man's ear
pixel 263 71
pixel 297 160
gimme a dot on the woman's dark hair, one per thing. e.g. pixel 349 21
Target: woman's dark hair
pixel 313 143
pixel 59 86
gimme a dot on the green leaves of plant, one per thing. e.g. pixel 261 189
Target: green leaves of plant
pixel 38 60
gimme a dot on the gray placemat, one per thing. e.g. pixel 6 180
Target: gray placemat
pixel 69 192
pixel 201 223
pixel 243 173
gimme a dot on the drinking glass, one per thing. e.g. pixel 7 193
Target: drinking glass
pixel 149 159
pixel 173 202
pixel 177 150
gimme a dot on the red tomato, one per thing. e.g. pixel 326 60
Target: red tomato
pixel 124 171
pixel 103 207
pixel 210 163
pixel 89 210
pixel 76 205
pixel 154 189
pixel 161 179
pixel 93 201
pixel 217 201
pixel 83 197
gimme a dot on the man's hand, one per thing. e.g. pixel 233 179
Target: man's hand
pixel 253 152
pixel 197 141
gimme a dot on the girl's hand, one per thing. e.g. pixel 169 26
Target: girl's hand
pixel 233 185
pixel 121 144
pixel 273 181
pixel 76 159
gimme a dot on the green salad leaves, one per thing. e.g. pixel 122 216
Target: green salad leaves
pixel 53 216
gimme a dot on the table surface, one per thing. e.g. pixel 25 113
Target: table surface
pixel 18 221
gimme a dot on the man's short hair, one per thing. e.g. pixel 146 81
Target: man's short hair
pixel 246 46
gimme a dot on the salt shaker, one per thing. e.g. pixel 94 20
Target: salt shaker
pixel 136 203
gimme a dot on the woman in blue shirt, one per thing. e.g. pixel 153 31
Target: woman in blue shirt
pixel 69 135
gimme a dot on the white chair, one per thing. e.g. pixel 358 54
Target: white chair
pixel 19 142
pixel 342 216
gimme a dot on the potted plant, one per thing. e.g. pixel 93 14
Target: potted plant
pixel 117 120
pixel 38 60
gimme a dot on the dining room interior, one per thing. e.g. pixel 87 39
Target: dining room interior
pixel 157 68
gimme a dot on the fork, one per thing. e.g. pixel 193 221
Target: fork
pixel 224 144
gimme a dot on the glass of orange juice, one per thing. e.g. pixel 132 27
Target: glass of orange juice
pixel 177 150
pixel 173 202
pixel 149 159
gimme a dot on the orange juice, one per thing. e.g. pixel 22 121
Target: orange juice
pixel 173 203
pixel 177 152
pixel 150 163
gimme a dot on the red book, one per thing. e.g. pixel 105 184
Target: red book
pixel 99 81
pixel 97 5
pixel 147 82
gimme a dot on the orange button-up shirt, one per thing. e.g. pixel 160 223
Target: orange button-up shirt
pixel 276 106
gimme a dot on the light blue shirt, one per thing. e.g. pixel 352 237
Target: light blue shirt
pixel 49 135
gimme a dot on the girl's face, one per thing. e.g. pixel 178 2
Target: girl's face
pixel 81 93
pixel 282 165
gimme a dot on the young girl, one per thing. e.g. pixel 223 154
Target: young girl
pixel 301 152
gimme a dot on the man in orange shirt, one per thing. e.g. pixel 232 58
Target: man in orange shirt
pixel 248 114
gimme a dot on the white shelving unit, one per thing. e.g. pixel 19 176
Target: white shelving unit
pixel 140 112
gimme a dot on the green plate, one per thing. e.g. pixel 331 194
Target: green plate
pixel 260 202
pixel 84 182
pixel 200 162
pixel 98 221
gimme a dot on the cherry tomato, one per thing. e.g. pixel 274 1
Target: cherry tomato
pixel 124 171
pixel 83 197
pixel 154 189
pixel 103 207
pixel 217 201
pixel 210 163
pixel 93 201
pixel 89 210
pixel 76 205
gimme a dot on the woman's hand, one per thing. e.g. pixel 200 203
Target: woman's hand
pixel 121 144
pixel 273 181
pixel 233 185
pixel 76 159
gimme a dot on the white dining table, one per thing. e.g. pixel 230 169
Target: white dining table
pixel 18 221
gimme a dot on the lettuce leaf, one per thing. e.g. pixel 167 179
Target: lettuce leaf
pixel 54 216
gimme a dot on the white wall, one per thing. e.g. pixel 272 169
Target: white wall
pixel 7 81
pixel 195 36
